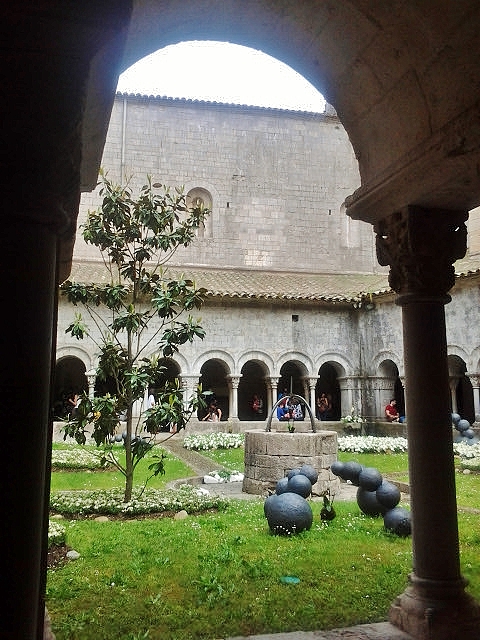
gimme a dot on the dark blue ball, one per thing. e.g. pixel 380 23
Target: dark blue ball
pixel 282 486
pixel 468 433
pixel 368 503
pixel 288 513
pixel 462 425
pixel 337 468
pixel 388 494
pixel 370 478
pixel 456 418
pixel 398 521
pixel 293 472
pixel 351 471
pixel 309 471
pixel 300 484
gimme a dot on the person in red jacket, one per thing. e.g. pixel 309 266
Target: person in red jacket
pixel 391 411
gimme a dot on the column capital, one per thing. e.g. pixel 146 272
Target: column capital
pixel 474 379
pixel 420 246
pixel 234 380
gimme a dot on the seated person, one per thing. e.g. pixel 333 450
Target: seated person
pixel 324 407
pixel 283 411
pixel 296 410
pixel 391 411
pixel 214 413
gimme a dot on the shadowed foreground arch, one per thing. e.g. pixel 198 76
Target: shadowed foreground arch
pixel 402 77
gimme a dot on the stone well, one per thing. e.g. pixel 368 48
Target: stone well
pixel 270 455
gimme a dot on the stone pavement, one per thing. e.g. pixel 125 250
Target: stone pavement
pixel 201 465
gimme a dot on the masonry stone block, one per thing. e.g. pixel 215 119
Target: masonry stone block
pixel 281 452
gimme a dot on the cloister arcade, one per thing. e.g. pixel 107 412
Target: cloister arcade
pixel 234 384
pixel 403 78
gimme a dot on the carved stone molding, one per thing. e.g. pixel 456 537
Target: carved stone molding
pixel 421 245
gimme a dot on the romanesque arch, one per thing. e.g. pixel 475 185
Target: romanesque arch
pixel 253 381
pixel 214 380
pixel 462 399
pixel 69 378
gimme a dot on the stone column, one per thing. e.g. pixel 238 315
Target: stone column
pixel 233 382
pixel 420 246
pixel 91 378
pixel 350 394
pixel 453 383
pixel 272 384
pixel 475 381
pixel 312 383
pixel 384 391
pixel 188 383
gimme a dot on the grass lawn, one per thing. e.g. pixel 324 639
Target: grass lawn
pixel 219 574
pixel 76 480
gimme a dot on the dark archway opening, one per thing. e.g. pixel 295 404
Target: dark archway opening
pixel 328 384
pixel 252 382
pixel 213 378
pixel 69 379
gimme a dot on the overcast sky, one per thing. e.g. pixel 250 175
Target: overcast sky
pixel 221 72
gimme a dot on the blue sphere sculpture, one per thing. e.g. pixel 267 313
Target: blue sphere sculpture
pixel 288 513
pixel 281 486
pixel 370 478
pixel 368 503
pixel 309 471
pixel 388 494
pixel 456 418
pixel 351 471
pixel 398 521
pixel 293 472
pixel 337 468
pixel 468 433
pixel 300 484
pixel 462 425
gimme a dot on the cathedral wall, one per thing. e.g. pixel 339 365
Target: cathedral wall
pixel 277 181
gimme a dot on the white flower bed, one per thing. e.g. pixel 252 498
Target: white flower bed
pixel 466 451
pixel 56 533
pixel 110 501
pixel 206 441
pixel 76 458
pixel 372 444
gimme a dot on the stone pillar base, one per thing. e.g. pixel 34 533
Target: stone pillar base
pixel 430 610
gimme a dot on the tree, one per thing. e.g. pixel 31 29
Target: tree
pixel 138 306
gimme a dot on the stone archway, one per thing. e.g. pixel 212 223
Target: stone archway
pixel 328 384
pixel 69 378
pixel 410 107
pixel 461 389
pixel 253 381
pixel 213 378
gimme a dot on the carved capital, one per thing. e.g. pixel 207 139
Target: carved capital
pixel 234 381
pixel 421 245
pixel 474 379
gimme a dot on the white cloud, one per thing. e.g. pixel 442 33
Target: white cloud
pixel 221 72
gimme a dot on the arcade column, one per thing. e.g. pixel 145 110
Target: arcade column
pixel 421 246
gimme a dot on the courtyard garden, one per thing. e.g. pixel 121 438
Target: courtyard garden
pixel 217 571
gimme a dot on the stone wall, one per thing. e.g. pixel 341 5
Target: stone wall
pixel 277 181
pixel 269 456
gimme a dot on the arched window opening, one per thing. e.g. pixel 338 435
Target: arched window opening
pixel 328 384
pixel 252 383
pixel 69 379
pixel 200 197
pixel 462 401
pixel 213 378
